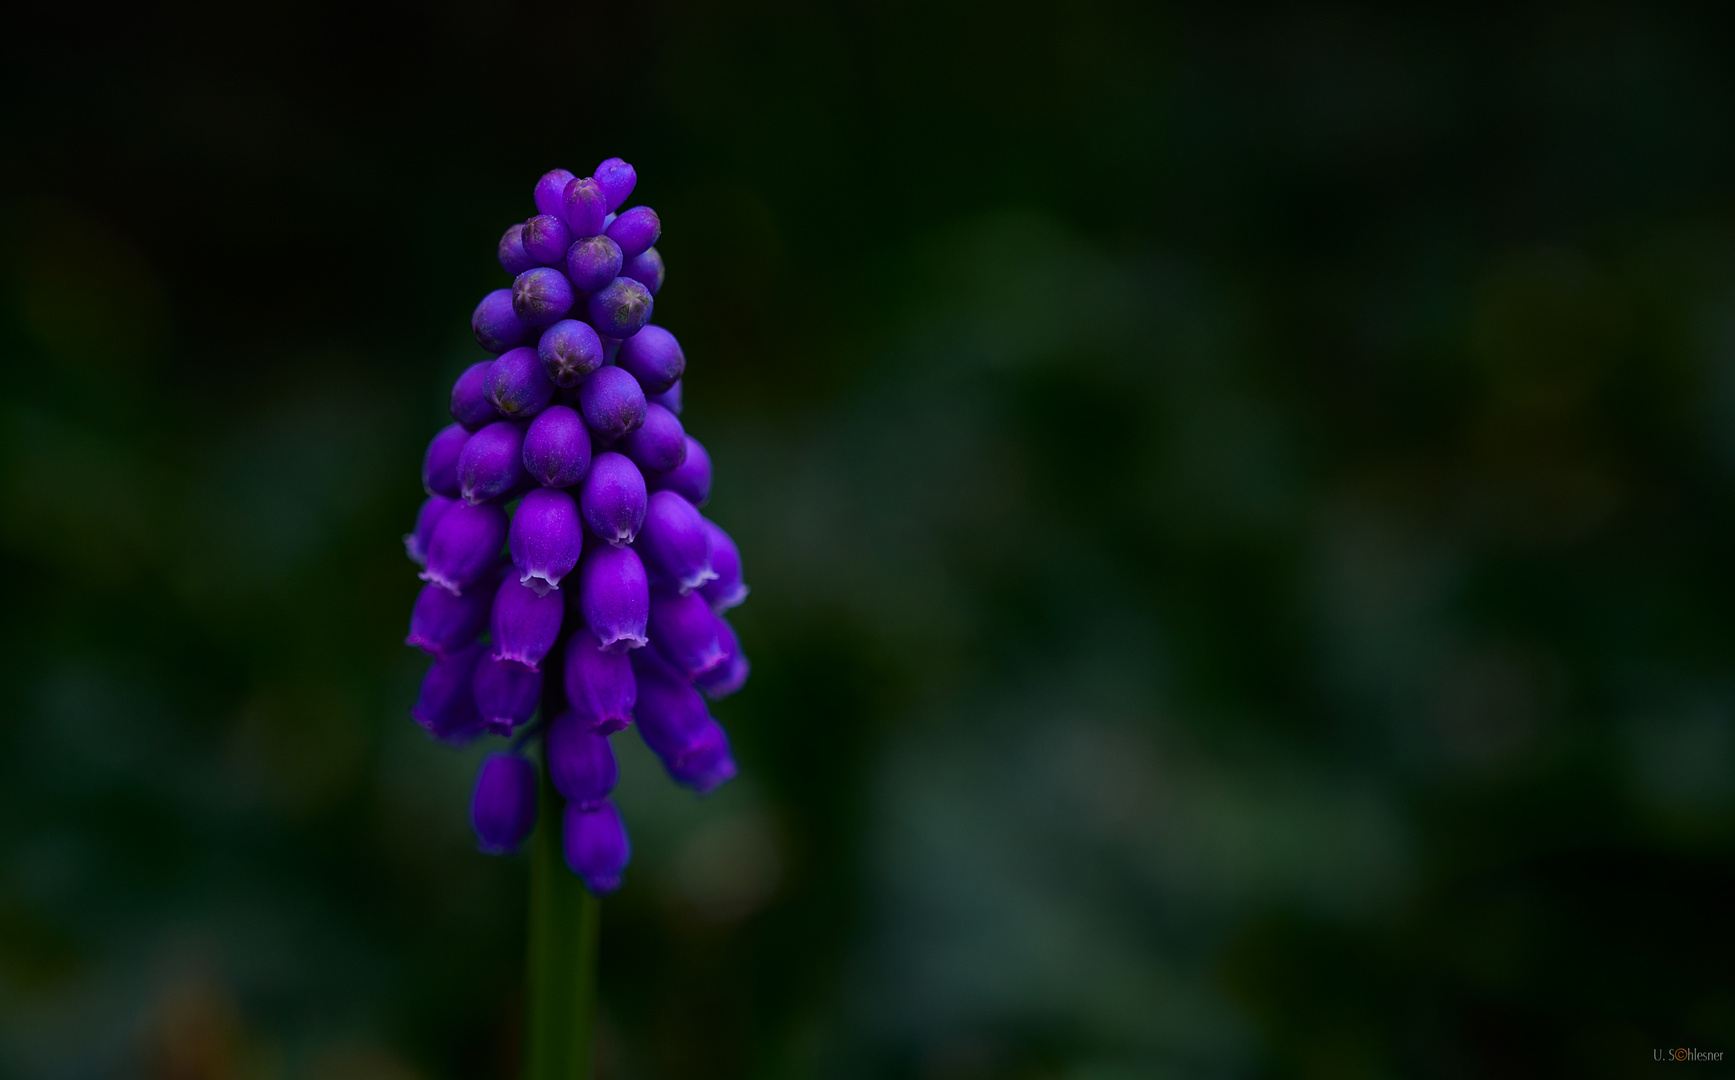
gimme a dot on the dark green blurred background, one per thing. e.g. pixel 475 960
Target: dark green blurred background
pixel 1239 505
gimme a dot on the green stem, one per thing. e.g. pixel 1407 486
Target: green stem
pixel 561 969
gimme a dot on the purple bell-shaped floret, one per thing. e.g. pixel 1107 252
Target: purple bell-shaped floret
pixel 729 676
pixel 445 707
pixel 503 803
pixel 612 401
pixel 674 723
pixel 569 350
pixel 541 296
pixel 513 258
pixel 440 463
pixel 557 448
pixel 517 385
pixel 592 262
pixel 708 764
pixel 728 590
pixel 674 542
pixel 659 444
pixel 599 684
pixel 614 596
pixel 617 180
pixel 646 268
pixel 442 624
pixel 470 404
pixel 612 498
pixel 684 629
pixel 654 358
pixel 595 844
pixel 466 543
pixel 635 230
pixel 506 693
pixel 546 239
pixel 551 191
pixel 496 325
pixel 580 761
pixel 416 543
pixel 524 625
pixel 691 478
pixel 585 206
pixel 492 463
pixel 620 309
pixel 547 539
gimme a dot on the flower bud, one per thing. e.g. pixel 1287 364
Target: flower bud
pixel 546 538
pixel 444 707
pixel 616 179
pixel 684 630
pixel 513 258
pixel 541 296
pixel 492 463
pixel 580 761
pixel 691 479
pixel 416 543
pixel 506 694
pixel 612 497
pixel 503 803
pixel 646 268
pixel 599 684
pixel 595 843
pixel 728 590
pixel 470 404
pixel 669 399
pixel 569 351
pixel 635 230
pixel 614 597
pixel 707 764
pixel 654 358
pixel 612 402
pixel 546 239
pixel 729 676
pixel 440 463
pixel 442 624
pixel 658 444
pixel 557 448
pixel 523 624
pixel 466 544
pixel 674 544
pixel 584 205
pixel 496 325
pixel 592 262
pixel 551 189
pixel 517 385
pixel 620 308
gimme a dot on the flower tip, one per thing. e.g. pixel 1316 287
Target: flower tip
pixel 539 582
pixel 624 643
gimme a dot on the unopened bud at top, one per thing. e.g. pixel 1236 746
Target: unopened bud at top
pixel 496 324
pixel 617 179
pixel 513 258
pixel 546 238
pixel 646 268
pixel 541 296
pixel 654 358
pixel 592 262
pixel 584 205
pixel 635 230
pixel 550 191
pixel 619 309
pixel 517 385
pixel 569 351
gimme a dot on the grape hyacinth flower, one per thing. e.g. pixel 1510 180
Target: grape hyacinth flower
pixel 503 804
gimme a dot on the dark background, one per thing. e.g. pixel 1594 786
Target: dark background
pixel 1240 506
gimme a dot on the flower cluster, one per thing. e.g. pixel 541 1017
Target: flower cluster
pixel 566 561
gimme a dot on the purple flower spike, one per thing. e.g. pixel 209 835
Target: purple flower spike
pixel 614 597
pixel 492 463
pixel 669 399
pixel 523 624
pixel 584 206
pixel 440 463
pixel 728 590
pixel 496 325
pixel 546 239
pixel 729 676
pixel 445 707
pixel 569 351
pixel 442 625
pixel 557 448
pixel 617 179
pixel 592 262
pixel 635 230
pixel 612 498
pixel 659 444
pixel 612 402
pixel 599 683
pixel 551 189
pixel 506 694
pixel 580 761
pixel 517 385
pixel 595 843
pixel 674 544
pixel 684 629
pixel 546 538
pixel 513 258
pixel 654 358
pixel 691 479
pixel 503 804
pixel 541 296
pixel 470 404
pixel 466 544
pixel 646 268
pixel 416 543
pixel 619 309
